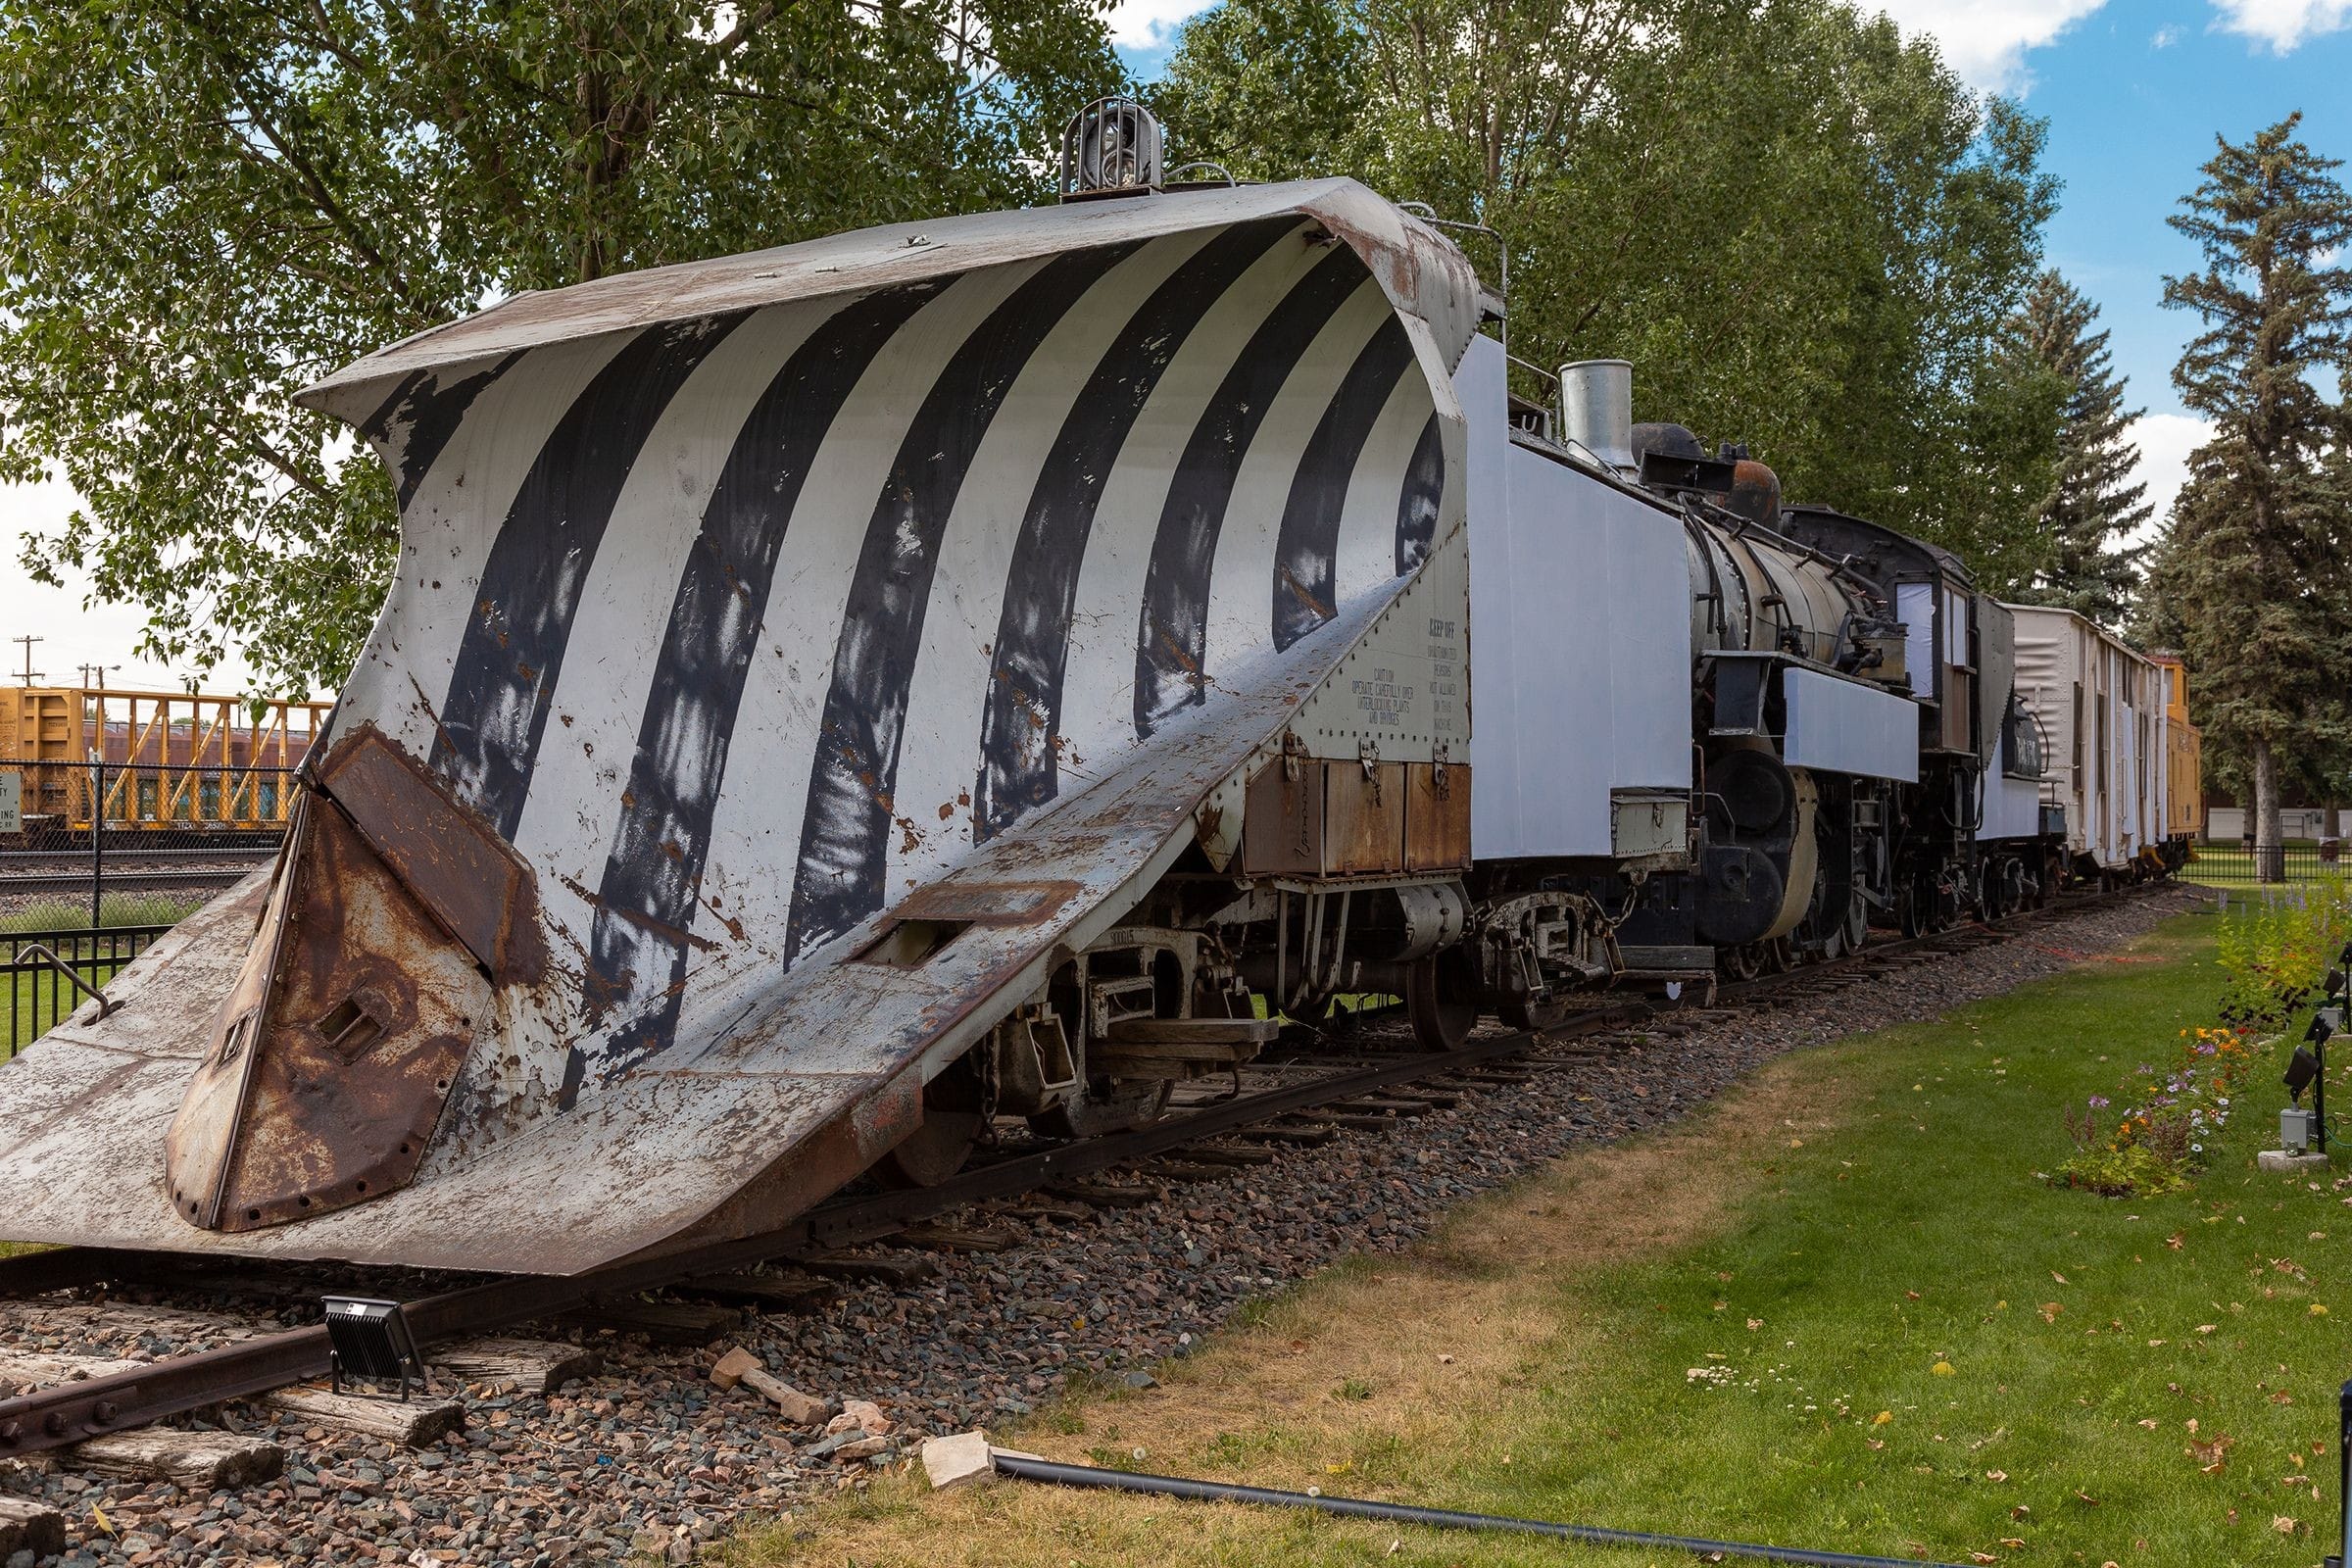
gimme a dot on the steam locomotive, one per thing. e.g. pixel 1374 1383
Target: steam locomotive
pixel 841 702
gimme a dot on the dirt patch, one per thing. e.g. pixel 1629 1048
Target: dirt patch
pixel 1368 1358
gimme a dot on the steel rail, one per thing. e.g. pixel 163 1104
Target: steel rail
pixel 52 1418
pixel 128 882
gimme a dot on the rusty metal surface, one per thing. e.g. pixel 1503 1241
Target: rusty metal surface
pixel 448 859
pixel 996 904
pixel 1281 829
pixel 370 1011
pixel 1363 818
pixel 1437 817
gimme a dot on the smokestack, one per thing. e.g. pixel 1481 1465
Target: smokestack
pixel 1596 410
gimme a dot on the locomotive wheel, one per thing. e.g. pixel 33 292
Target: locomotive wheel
pixel 1440 999
pixel 1778 957
pixel 1858 924
pixel 933 1151
pixel 1744 962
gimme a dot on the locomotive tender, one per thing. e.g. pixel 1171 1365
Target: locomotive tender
pixel 837 700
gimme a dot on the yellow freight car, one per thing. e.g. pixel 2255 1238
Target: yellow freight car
pixel 156 759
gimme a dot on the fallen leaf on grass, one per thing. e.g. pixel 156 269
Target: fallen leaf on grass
pixel 1943 1369
pixel 2284 1526
pixel 2176 1240
pixel 2207 1327
pixel 2150 1422
pixel 1996 1475
pixel 1882 1418
pixel 1983 1556
pixel 2060 1278
pixel 2013 1542
pixel 2050 1310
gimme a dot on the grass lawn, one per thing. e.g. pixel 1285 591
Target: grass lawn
pixel 1840 1311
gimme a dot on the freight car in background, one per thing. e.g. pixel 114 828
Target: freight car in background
pixel 2122 758
pixel 173 761
pixel 849 702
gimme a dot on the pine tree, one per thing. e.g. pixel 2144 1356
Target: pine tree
pixel 2252 560
pixel 2093 506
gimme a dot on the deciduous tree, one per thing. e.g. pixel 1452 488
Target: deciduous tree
pixel 205 204
pixel 1804 231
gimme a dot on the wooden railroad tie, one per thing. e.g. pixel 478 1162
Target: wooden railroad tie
pixel 1285 1133
pixel 764 1292
pixel 686 1323
pixel 33 1527
pixel 957 1239
pixel 1228 1155
pixel 892 1268
pixel 1104 1193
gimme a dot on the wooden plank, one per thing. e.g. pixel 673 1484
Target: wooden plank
pixel 527 1366
pixel 764 1292
pixel 202 1461
pixel 33 1527
pixel 955 1239
pixel 663 1322
pixel 895 1269
pixel 1185 1171
pixel 23 1371
pixel 1104 1195
pixel 1279 1133
pixel 414 1423
pixel 1228 1155
pixel 1341 1118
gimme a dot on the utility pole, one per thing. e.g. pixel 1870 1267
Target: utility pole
pixel 27 675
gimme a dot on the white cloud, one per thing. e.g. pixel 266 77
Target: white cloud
pixel 72 635
pixel 2283 23
pixel 2164 37
pixel 2164 442
pixel 1151 24
pixel 1986 40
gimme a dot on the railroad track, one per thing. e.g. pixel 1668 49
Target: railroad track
pixel 126 881
pixel 1293 1097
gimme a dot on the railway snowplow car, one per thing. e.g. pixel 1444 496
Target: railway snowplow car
pixel 801 665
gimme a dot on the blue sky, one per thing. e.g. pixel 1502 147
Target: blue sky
pixel 2135 92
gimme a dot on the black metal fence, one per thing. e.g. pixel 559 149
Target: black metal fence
pixel 42 966
pixel 2237 863
pixel 104 843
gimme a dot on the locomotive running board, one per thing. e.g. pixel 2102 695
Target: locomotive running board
pixel 753 619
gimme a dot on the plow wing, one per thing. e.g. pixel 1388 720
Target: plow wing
pixel 792 658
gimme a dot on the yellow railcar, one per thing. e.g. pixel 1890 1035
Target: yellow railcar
pixel 157 759
pixel 2183 753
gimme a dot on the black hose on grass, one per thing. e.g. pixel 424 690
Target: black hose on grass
pixel 1085 1476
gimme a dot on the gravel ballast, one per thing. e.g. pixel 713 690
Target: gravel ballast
pixel 651 1459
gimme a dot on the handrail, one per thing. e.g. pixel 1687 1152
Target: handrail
pixel 48 954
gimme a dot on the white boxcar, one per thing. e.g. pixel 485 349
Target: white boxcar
pixel 2100 707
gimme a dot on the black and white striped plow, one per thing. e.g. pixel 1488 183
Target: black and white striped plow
pixel 791 656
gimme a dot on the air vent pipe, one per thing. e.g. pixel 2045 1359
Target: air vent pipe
pixel 1596 411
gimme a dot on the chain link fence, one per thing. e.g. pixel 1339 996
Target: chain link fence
pixel 97 845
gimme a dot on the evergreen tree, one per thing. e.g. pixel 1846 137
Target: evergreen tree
pixel 2252 561
pixel 2094 505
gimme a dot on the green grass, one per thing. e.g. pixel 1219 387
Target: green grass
pixel 1875 1329
pixel 38 1001
pixel 2082 1334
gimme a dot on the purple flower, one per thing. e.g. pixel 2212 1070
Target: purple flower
pixel 2098 1101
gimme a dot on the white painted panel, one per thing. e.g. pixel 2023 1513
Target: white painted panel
pixel 2012 805
pixel 1915 607
pixel 1843 726
pixel 1580 635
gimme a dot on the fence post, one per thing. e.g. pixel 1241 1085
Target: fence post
pixel 2343 1479
pixel 98 836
